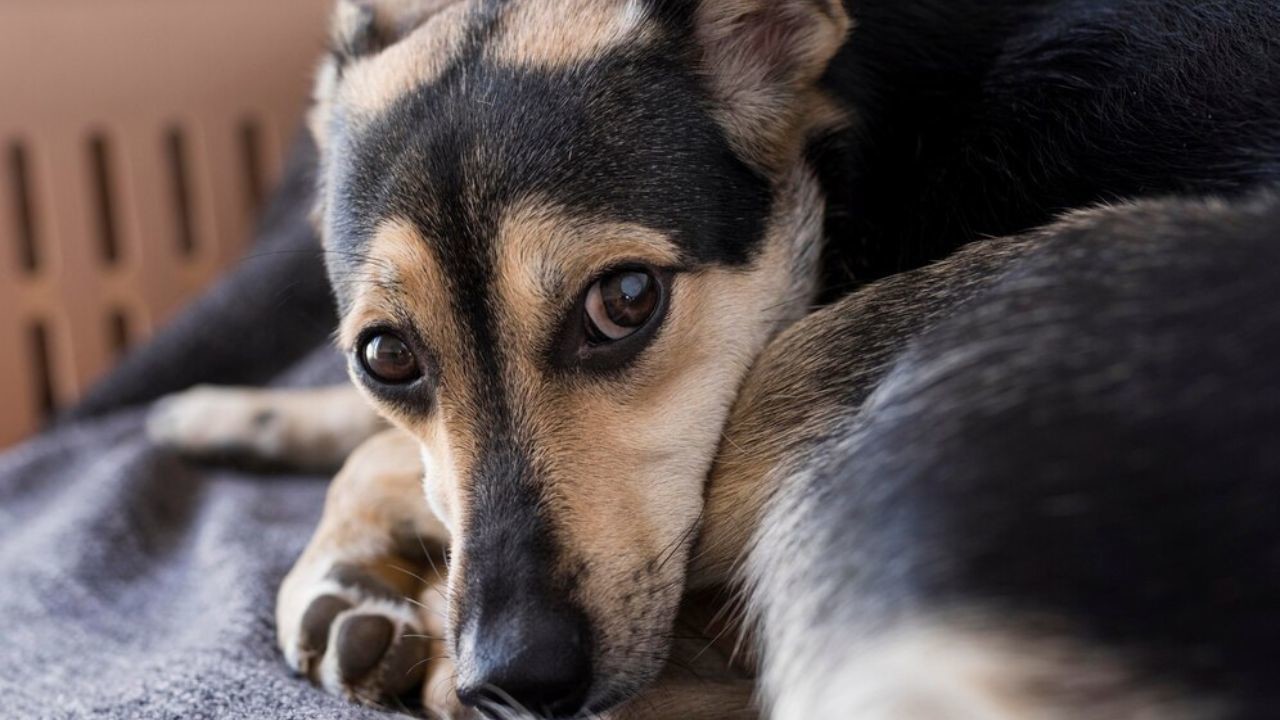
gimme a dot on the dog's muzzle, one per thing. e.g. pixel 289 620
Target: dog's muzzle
pixel 527 655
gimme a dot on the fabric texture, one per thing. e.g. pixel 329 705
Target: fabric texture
pixel 136 585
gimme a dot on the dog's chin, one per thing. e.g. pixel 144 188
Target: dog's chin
pixel 632 674
pixel 611 693
pixel 610 701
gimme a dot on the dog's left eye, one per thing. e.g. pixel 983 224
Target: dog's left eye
pixel 619 304
pixel 388 359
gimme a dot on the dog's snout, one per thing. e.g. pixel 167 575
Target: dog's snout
pixel 531 658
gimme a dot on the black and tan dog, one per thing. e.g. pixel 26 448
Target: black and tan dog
pixel 578 247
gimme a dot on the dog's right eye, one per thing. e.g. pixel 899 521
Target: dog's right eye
pixel 619 304
pixel 388 359
pixel 615 318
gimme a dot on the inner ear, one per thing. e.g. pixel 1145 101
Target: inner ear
pixel 763 58
pixel 365 27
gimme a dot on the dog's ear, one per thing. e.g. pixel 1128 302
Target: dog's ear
pixel 764 59
pixel 361 28
pixel 364 27
pixel 358 29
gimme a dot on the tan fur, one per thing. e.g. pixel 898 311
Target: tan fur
pixel 439 693
pixel 555 35
pixel 311 428
pixel 380 489
pixel 399 266
pixel 371 84
pixel 691 698
pixel 371 490
pixel 809 377
pixel 365 502
pixel 784 400
pixel 428 34
pixel 651 439
pixel 626 461
pixel 763 59
pixel 370 501
pixel 404 284
pixel 546 252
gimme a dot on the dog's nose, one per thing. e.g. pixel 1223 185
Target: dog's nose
pixel 535 659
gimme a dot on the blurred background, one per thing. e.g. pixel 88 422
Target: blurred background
pixel 138 141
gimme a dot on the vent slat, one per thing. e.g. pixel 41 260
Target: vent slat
pixel 105 198
pixel 179 157
pixel 119 332
pixel 133 161
pixel 251 165
pixel 23 221
pixel 40 356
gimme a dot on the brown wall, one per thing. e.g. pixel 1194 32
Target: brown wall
pixel 137 140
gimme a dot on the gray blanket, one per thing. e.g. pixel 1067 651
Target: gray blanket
pixel 135 585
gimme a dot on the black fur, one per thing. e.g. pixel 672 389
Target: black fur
pixel 1092 440
pixel 1125 428
pixel 627 137
pixel 989 117
pixel 1105 454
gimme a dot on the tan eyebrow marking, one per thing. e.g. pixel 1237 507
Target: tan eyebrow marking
pixel 400 276
pixel 371 84
pixel 559 34
pixel 543 248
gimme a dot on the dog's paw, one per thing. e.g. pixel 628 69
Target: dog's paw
pixel 218 423
pixel 358 636
pixel 306 429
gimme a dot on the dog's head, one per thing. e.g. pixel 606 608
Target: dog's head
pixel 559 233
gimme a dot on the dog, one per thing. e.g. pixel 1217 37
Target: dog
pixel 933 340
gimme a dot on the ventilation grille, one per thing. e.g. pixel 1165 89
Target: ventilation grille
pixel 138 142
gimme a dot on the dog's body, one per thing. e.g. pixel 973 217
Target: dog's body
pixel 1030 480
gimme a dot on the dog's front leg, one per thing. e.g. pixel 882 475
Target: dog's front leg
pixel 306 429
pixel 362 613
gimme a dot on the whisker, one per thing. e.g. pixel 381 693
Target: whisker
pixel 424 660
pixel 679 541
pixel 431 561
pixel 425 607
pixel 410 573
pixel 506 698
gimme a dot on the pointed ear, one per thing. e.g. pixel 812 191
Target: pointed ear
pixel 764 59
pixel 363 27
pixel 358 29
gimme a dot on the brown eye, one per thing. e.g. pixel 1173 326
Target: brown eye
pixel 389 360
pixel 621 303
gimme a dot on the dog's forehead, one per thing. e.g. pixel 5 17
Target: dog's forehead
pixel 522 33
pixel 617 128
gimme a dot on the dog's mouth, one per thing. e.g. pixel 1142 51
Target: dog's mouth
pixel 530 656
pixel 534 650
pixel 548 671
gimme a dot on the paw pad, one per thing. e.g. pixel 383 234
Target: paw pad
pixel 361 638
